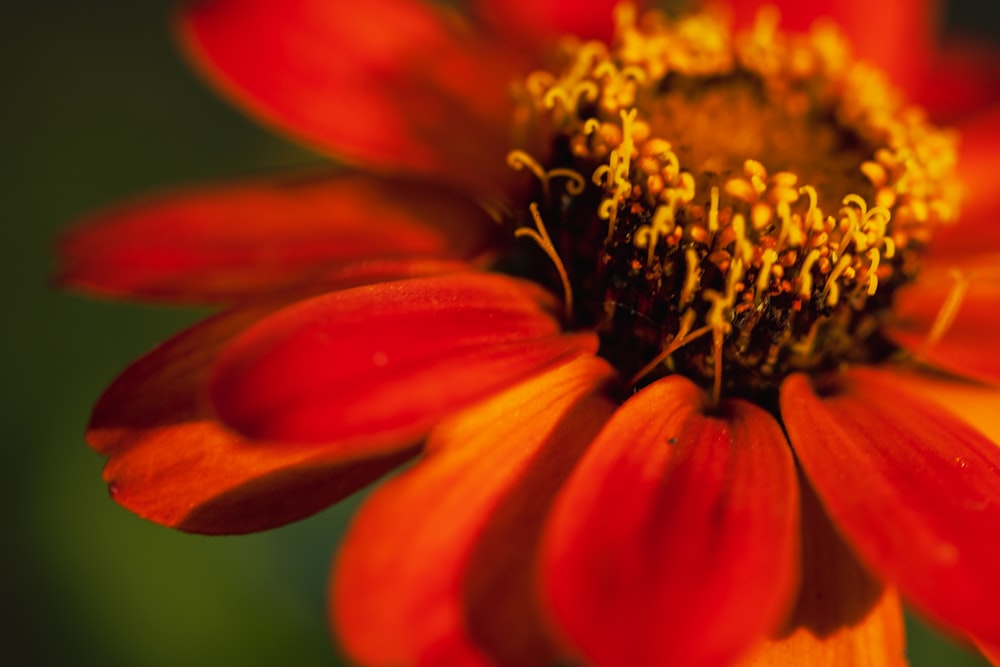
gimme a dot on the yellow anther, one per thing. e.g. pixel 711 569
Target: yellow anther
pixel 856 200
pixel 784 215
pixel 713 211
pixel 605 69
pixel 890 247
pixel 634 73
pixel 518 160
pixel 606 208
pixel 813 212
pixel 591 125
pixel 585 89
pixel 874 257
pixel 839 268
pixel 785 179
pixel 538 82
pixel 739 188
pixel 757 174
pixel 877 219
pixel 875 173
pixel 692 278
pixel 647 236
pixel 805 274
pixel 558 94
pixel 718 315
pixel 733 278
pixel 760 215
pixel 768 258
pixel 686 188
pixel 627 146
pixel 832 292
pixel 718 319
pixel 853 223
pixel 742 246
pixel 575 182
pixel 603 175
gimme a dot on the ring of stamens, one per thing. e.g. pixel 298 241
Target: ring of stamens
pixel 785 248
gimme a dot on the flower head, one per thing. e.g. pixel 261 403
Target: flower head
pixel 652 302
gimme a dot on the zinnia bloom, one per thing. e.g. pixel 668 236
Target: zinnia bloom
pixel 660 310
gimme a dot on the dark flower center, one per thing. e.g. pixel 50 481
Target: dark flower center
pixel 732 209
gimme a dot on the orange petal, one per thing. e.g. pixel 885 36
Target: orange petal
pixel 968 345
pixel 843 616
pixel 240 241
pixel 675 541
pixel 383 363
pixel 391 84
pixel 538 24
pixel 397 591
pixel 171 462
pixel 897 35
pixel 975 404
pixel 913 490
pixel 976 232
pixel 961 78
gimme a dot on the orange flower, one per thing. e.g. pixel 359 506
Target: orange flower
pixel 662 313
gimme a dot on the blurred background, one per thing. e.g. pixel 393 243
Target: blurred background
pixel 96 106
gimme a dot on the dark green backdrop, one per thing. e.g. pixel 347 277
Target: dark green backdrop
pixel 96 106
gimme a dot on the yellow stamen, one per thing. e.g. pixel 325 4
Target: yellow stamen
pixel 948 312
pixel 541 237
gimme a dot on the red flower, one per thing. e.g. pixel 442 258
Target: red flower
pixel 666 408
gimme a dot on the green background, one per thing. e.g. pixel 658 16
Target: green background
pixel 96 106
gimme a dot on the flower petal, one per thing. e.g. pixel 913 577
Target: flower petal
pixel 675 540
pixel 913 490
pixel 534 23
pixel 991 653
pixel 408 611
pixel 240 241
pixel 171 462
pixel 385 362
pixel 968 345
pixel 974 403
pixel 843 616
pixel 976 231
pixel 962 77
pixel 897 35
pixel 391 84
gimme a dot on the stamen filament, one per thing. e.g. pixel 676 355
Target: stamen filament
pixel 541 237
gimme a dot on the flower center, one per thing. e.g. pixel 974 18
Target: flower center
pixel 731 208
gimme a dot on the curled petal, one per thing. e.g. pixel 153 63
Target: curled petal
pixel 170 461
pixel 843 615
pixel 391 84
pixel 392 610
pixel 910 487
pixel 387 361
pixel 672 504
pixel 235 242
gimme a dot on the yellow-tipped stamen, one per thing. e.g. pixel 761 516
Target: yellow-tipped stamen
pixel 762 188
pixel 541 237
pixel 947 313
